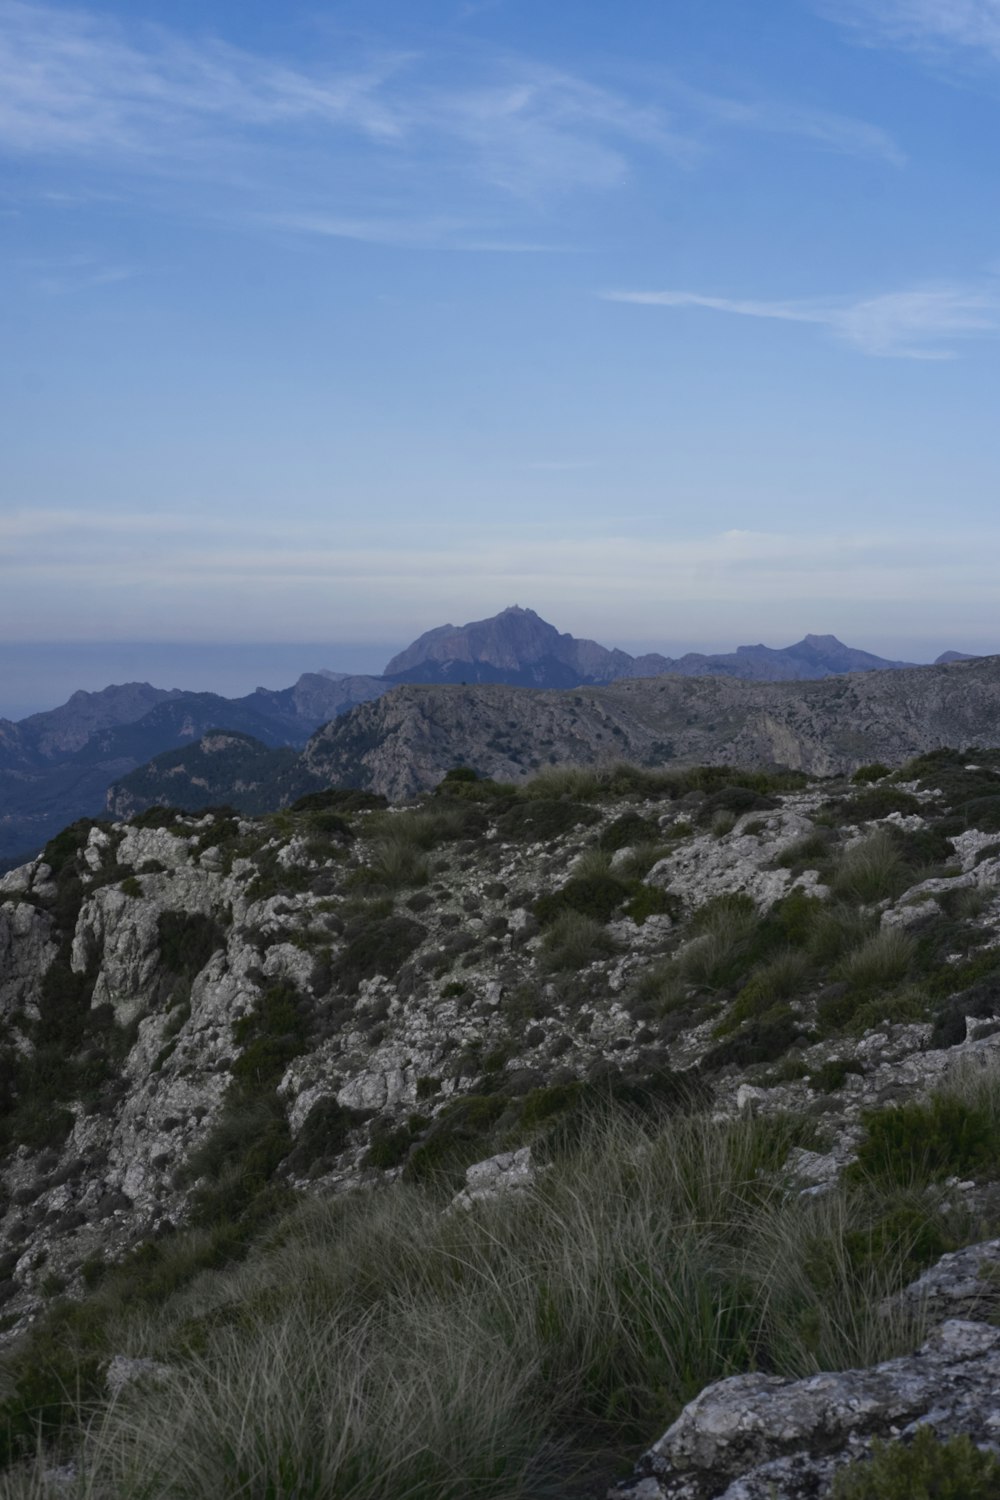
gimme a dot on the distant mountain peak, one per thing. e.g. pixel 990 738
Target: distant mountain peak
pixel 518 647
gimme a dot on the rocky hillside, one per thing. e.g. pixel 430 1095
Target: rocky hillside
pixel 405 742
pixel 57 766
pixel 711 1059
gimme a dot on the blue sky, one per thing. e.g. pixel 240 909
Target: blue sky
pixel 679 322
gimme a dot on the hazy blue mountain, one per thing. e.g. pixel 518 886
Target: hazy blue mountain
pixel 519 648
pixel 57 766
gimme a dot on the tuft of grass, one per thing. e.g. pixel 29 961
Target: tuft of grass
pixel 593 863
pixel 574 940
pixel 882 960
pixel 870 870
pixel 782 978
pixel 809 852
pixel 372 1346
pixel 724 932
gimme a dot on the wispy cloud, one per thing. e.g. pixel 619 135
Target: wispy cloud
pixel 934 26
pixel 825 128
pixel 381 145
pixel 73 81
pixel 918 324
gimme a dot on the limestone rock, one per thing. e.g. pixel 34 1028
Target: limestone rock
pixel 751 1432
pixel 510 1171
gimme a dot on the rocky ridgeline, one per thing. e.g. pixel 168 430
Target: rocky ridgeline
pixel 200 1013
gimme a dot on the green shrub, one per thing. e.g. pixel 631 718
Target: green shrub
pixel 540 821
pixel 339 799
pixel 805 853
pixel 640 859
pixel 760 1040
pixel 724 932
pixel 458 1136
pixel 459 773
pixel 157 816
pixel 651 901
pixel 187 941
pixel 628 830
pixel 596 896
pixel 926 1468
pixel 873 772
pixel 379 946
pixel 61 852
pixel 926 1141
pixel 832 1075
pixel 735 801
pixel 782 978
pixel 878 802
pixel 904 1236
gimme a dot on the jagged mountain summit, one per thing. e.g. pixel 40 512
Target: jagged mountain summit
pixel 516 647
pixel 521 649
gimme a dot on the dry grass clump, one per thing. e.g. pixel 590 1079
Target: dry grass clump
pixel 375 1347
pixel 591 863
pixel 882 960
pixel 870 870
pixel 574 940
pixel 725 930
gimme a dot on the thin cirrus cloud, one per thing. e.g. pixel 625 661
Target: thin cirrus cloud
pixel 381 146
pixel 935 26
pixel 919 324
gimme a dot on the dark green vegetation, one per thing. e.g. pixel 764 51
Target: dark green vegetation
pixel 927 1468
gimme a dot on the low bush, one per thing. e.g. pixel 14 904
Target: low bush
pixel 596 896
pixel 925 1468
pixel 723 934
pixel 873 772
pixel 877 802
pixel 628 830
pixel 187 941
pixel 926 1141
pixel 377 946
pixel 338 799
pixel 834 1073
pixel 541 820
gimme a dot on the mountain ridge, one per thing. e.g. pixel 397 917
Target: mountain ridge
pixel 59 765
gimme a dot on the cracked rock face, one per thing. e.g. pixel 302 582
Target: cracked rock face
pixel 753 1436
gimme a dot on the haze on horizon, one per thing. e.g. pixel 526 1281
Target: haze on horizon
pixel 678 324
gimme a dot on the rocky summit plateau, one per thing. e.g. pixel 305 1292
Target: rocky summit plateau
pixel 620 1130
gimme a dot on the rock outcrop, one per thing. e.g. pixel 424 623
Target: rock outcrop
pixel 754 1437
